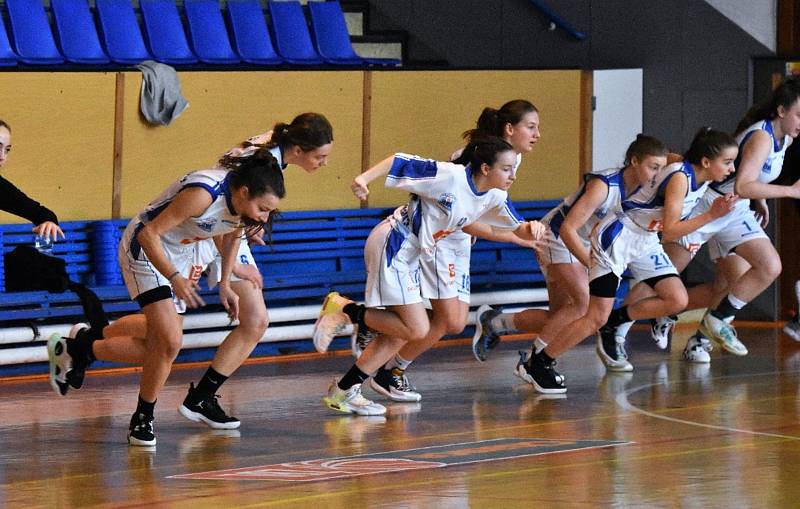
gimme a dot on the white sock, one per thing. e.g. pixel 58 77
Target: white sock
pixel 735 302
pixel 623 328
pixel 397 362
pixel 539 344
pixel 504 322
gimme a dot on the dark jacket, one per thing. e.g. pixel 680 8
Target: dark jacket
pixel 16 202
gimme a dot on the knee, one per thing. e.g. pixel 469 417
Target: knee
pixel 167 346
pixel 679 302
pixel 254 326
pixel 772 269
pixel 595 319
pixel 581 303
pixel 455 325
pixel 418 333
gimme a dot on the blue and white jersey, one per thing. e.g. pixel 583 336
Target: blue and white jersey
pixel 645 208
pixel 445 200
pixel 616 192
pixel 460 236
pixel 772 166
pixel 218 219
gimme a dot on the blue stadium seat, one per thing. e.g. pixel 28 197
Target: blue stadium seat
pixel 77 32
pixel 33 38
pixel 165 33
pixel 121 32
pixel 7 56
pixel 291 33
pixel 250 33
pixel 333 39
pixel 208 32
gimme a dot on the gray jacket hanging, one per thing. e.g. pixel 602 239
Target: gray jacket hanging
pixel 161 99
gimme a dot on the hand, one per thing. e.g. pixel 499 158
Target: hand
pixel 722 205
pixel 186 290
pixel 48 229
pixel 761 211
pixel 359 188
pixel 229 300
pixel 538 230
pixel 525 243
pixel 257 238
pixel 247 272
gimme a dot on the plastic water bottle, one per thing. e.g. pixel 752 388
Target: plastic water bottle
pixel 43 244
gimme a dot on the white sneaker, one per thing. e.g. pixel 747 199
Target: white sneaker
pixel 331 322
pixel 661 329
pixel 792 329
pixel 697 349
pixel 723 333
pixel 611 350
pixel 60 363
pixel 394 384
pixel 351 401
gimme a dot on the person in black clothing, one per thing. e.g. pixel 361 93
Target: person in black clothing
pixel 16 202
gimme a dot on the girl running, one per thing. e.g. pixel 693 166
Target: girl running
pixel 446 198
pixel 161 259
pixel 629 239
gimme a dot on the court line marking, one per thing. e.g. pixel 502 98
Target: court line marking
pixel 622 401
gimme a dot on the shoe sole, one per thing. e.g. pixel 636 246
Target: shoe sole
pixel 352 411
pixel 695 361
pixel 479 332
pixel 521 373
pixel 707 332
pixel 198 417
pixel 610 363
pixel 375 386
pixel 135 442
pixel 52 356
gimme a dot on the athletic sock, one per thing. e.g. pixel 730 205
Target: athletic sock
pixel 728 307
pixel 539 344
pixel 618 317
pixel 211 382
pixel 355 312
pixel 352 377
pixel 145 407
pixel 397 362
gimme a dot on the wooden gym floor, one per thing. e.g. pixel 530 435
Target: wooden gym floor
pixel 670 434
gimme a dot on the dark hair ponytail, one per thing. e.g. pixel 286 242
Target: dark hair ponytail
pixel 784 95
pixel 261 174
pixel 493 122
pixel 708 143
pixel 644 146
pixel 482 151
pixel 307 131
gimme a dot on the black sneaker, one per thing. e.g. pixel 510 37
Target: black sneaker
pixel 77 344
pixel 611 349
pixel 140 431
pixel 362 336
pixel 199 407
pixel 485 337
pixel 393 384
pixel 540 373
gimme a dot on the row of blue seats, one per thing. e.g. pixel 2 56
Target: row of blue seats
pixel 209 40
pixel 312 252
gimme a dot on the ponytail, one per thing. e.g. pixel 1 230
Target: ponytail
pixel 493 122
pixel 784 95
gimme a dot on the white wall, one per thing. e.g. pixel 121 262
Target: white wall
pixel 617 116
pixel 756 17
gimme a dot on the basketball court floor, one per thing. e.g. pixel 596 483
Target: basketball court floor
pixel 670 434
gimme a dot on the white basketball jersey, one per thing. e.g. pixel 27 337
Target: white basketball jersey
pixel 645 208
pixel 218 219
pixel 616 191
pixel 445 200
pixel 772 166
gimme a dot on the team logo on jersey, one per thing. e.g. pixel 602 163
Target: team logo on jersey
pixel 461 222
pixel 446 201
pixel 207 224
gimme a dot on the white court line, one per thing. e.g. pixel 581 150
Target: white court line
pixel 622 400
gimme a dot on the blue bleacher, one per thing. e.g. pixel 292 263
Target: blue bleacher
pixel 333 39
pixel 33 38
pixel 250 33
pixel 208 33
pixel 7 56
pixel 165 32
pixel 313 252
pixel 77 32
pixel 291 33
pixel 120 31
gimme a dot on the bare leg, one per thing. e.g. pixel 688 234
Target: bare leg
pixel 253 322
pixel 596 315
pixel 570 283
pixel 409 321
pixel 164 339
pixel 449 316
